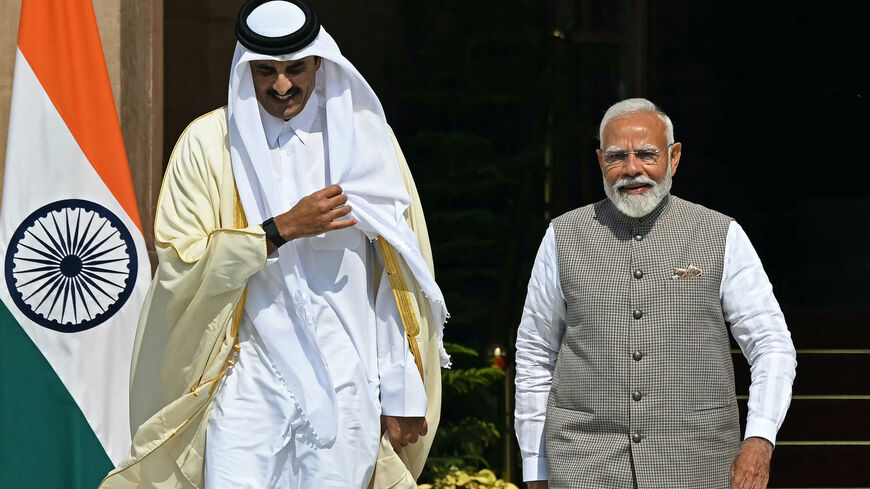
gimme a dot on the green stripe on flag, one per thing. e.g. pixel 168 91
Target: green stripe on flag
pixel 45 440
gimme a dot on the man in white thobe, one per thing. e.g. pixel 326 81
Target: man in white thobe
pixel 287 356
pixel 337 279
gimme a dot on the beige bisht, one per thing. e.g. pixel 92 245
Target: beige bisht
pixel 187 335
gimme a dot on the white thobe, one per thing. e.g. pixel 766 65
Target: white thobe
pixel 748 306
pixel 250 439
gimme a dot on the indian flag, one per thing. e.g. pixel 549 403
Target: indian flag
pixel 75 264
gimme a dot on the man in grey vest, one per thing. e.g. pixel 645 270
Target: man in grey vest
pixel 624 375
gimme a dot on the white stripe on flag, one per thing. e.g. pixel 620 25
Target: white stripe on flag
pixel 45 164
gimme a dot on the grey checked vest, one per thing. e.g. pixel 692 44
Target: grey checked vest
pixel 643 391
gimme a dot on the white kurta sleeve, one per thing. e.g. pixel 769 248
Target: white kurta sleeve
pixel 402 391
pixel 538 339
pixel 759 328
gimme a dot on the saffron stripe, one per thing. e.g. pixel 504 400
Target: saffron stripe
pixel 60 40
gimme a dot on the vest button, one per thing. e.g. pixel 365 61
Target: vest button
pixel 635 437
pixel 638 274
pixel 637 355
pixel 638 237
pixel 636 395
pixel 637 314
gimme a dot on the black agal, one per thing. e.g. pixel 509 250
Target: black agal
pixel 287 44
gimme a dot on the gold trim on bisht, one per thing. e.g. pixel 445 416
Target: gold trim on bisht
pixel 403 299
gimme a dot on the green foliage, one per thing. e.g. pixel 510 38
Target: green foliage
pixel 464 381
pixel 461 479
pixel 457 349
pixel 468 429
pixel 466 442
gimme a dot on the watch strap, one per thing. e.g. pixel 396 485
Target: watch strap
pixel 272 233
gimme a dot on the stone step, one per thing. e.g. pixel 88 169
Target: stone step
pixel 819 372
pixel 823 419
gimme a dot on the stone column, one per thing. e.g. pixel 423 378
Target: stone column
pixel 141 81
pixel 10 11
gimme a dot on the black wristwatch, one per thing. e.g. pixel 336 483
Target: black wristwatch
pixel 272 233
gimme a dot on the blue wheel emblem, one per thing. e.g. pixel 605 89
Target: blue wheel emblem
pixel 71 265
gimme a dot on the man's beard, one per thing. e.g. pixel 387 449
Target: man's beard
pixel 639 205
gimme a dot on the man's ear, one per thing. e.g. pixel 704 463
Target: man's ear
pixel 600 159
pixel 676 152
pixel 317 60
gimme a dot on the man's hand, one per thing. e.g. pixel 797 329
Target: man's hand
pixel 314 214
pixel 537 485
pixel 403 431
pixel 751 467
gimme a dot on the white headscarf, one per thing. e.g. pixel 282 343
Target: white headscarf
pixel 363 162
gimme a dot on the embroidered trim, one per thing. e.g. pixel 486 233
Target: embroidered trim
pixel 403 300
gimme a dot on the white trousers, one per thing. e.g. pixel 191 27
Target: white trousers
pixel 250 439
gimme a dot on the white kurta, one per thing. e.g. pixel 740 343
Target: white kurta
pixel 250 439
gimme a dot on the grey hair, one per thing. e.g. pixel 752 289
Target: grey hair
pixel 633 106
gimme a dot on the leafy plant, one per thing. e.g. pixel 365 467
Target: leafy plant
pixel 455 479
pixel 468 424
pixel 466 380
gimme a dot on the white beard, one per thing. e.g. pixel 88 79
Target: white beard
pixel 641 204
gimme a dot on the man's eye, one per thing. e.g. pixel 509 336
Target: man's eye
pixel 646 155
pixel 617 156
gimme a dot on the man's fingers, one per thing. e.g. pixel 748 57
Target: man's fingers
pixel 743 480
pixel 330 191
pixel 736 477
pixel 404 431
pixel 395 436
pixel 344 223
pixel 750 482
pixel 403 441
pixel 336 201
pixel 749 470
pixel 339 212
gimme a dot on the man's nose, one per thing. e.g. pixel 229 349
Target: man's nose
pixel 633 166
pixel 282 84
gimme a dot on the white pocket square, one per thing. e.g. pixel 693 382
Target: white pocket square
pixel 689 272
